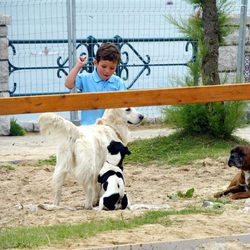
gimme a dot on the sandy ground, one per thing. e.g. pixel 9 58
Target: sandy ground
pixel 29 184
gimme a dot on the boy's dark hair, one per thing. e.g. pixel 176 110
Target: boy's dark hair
pixel 108 51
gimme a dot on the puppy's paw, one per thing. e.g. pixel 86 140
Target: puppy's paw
pixel 218 195
pixel 88 207
pixel 96 203
pixel 234 196
pixel 125 202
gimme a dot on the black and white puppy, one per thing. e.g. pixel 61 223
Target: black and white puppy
pixel 113 195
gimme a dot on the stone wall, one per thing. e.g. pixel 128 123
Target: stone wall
pixel 4 70
pixel 228 53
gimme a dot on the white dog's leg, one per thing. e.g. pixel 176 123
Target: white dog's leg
pixel 97 194
pixel 89 197
pixel 57 183
pixel 101 204
pixel 129 205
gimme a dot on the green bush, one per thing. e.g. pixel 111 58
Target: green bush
pixel 16 129
pixel 225 117
pixel 216 119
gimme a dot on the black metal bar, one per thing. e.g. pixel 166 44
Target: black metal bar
pixel 103 40
pixel 90 43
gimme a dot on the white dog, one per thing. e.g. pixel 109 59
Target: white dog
pixel 113 194
pixel 82 151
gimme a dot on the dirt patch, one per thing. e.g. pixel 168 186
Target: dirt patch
pixel 27 184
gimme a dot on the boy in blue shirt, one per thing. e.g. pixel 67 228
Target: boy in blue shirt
pixel 101 79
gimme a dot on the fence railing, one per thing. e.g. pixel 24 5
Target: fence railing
pixel 88 47
pixel 136 98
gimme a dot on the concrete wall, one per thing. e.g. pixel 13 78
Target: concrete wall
pixel 4 70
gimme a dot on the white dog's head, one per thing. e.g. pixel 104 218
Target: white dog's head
pixel 119 119
pixel 124 115
pixel 132 116
pixel 111 178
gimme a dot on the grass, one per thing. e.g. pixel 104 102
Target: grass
pixel 50 161
pixel 174 150
pixel 179 149
pixel 223 200
pixel 32 237
pixel 7 167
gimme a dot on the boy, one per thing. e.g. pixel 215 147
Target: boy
pixel 101 79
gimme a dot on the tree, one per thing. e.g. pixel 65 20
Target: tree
pixel 210 75
pixel 207 27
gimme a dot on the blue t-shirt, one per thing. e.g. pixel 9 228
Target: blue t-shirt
pixel 91 82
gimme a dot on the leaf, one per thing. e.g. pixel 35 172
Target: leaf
pixel 180 194
pixel 189 193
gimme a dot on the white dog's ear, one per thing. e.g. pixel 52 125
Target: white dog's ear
pixel 99 121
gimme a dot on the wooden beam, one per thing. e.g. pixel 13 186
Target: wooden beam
pixel 131 98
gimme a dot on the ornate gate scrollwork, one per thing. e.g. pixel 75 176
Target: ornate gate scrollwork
pixel 89 46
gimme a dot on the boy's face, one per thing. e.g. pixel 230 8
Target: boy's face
pixel 105 68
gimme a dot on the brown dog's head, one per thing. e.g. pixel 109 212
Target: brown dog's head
pixel 240 157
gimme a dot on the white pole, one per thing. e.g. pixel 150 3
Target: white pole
pixel 241 45
pixel 71 26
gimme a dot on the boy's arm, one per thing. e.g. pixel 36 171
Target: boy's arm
pixel 70 80
pixel 122 85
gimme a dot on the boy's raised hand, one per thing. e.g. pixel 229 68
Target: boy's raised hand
pixel 81 61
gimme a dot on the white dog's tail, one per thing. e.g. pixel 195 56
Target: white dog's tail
pixel 55 126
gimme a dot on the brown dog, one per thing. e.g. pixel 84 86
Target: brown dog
pixel 239 187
